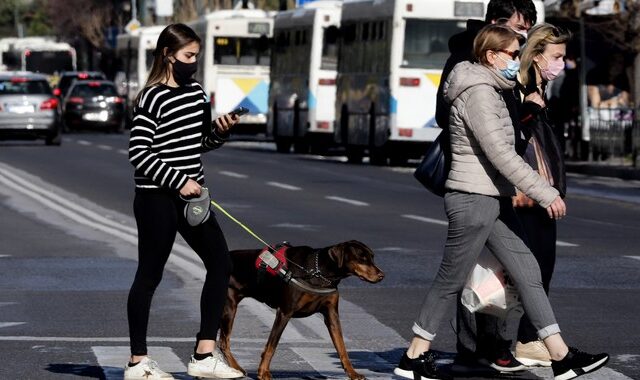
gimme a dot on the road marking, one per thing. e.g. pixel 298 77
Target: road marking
pixel 266 316
pixel 113 358
pixel 233 174
pixel 84 142
pixel 324 361
pixel 633 257
pixel 561 243
pixel 123 151
pixel 105 147
pixel 125 339
pixel 3 256
pixel 426 220
pixel 10 324
pixel 284 186
pixel 346 200
pixel 304 227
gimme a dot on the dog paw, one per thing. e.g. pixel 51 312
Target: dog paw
pixel 266 375
pixel 356 376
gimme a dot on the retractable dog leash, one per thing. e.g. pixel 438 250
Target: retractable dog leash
pixel 275 264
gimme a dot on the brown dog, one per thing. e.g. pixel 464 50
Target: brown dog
pixel 335 263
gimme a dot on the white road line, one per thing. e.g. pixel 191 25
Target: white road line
pixel 633 257
pixel 3 256
pixel 324 361
pixel 284 186
pixel 233 174
pixel 84 142
pixel 346 200
pixel 426 220
pixel 123 339
pixel 113 358
pixel 10 324
pixel 123 151
pixel 561 243
pixel 266 316
pixel 105 147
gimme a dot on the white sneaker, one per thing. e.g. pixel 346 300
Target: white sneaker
pixel 212 367
pixel 146 369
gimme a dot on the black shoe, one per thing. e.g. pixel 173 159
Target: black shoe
pixel 421 368
pixel 577 363
pixel 503 361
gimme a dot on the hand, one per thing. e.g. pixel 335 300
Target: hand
pixel 190 189
pixel 535 97
pixel 557 209
pixel 225 122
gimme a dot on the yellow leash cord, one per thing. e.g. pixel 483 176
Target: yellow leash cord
pixel 242 225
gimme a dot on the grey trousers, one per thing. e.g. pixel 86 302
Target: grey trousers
pixel 476 220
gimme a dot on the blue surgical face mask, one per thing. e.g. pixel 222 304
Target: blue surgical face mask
pixel 511 71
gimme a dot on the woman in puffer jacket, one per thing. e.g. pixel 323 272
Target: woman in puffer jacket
pixel 485 171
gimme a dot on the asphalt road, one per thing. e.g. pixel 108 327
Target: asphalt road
pixel 68 252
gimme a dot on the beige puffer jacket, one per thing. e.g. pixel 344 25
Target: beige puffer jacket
pixel 484 160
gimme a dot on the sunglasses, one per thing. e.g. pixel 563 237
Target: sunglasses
pixel 513 54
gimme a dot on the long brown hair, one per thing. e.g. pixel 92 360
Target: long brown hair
pixel 172 38
pixel 537 40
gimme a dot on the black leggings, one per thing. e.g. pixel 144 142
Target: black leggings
pixel 159 215
pixel 541 235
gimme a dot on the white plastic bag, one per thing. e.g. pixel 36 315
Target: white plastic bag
pixel 488 289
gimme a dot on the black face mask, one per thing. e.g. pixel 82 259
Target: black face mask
pixel 182 72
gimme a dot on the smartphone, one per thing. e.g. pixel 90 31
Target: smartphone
pixel 240 111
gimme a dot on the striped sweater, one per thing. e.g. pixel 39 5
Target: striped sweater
pixel 171 128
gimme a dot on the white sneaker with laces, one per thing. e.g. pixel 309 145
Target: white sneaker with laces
pixel 146 369
pixel 212 367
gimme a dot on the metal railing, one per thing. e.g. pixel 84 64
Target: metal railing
pixel 613 133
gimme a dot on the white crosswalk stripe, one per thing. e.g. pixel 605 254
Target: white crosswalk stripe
pixel 326 362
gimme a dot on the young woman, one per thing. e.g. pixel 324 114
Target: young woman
pixel 171 128
pixel 484 170
pixel 542 59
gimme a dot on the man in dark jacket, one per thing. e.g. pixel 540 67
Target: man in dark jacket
pixel 481 337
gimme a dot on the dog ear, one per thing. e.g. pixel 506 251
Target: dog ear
pixel 336 253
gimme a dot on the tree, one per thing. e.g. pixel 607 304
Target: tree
pixel 87 18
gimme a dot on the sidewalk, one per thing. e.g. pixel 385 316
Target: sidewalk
pixel 603 169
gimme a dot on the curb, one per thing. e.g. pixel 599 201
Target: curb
pixel 603 170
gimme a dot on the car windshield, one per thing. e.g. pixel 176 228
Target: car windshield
pixel 90 91
pixel 67 80
pixel 426 42
pixel 21 87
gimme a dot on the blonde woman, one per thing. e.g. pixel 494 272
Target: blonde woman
pixel 542 60
pixel 485 170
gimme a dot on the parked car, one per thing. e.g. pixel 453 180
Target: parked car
pixel 28 109
pixel 68 77
pixel 93 104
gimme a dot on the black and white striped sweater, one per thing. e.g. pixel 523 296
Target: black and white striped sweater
pixel 171 128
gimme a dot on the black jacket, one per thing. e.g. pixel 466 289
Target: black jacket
pixel 461 49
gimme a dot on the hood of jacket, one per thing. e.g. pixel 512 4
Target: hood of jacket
pixel 466 75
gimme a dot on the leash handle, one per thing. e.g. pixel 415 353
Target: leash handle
pixel 241 225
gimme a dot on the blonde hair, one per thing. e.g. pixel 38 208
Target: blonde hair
pixel 492 37
pixel 537 40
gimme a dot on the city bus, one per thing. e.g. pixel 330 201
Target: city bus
pixel 135 53
pixel 391 57
pixel 233 66
pixel 303 76
pixel 39 55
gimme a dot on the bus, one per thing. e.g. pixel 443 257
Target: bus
pixel 39 55
pixel 135 53
pixel 233 66
pixel 391 57
pixel 303 77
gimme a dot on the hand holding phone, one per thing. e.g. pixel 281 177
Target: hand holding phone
pixel 240 111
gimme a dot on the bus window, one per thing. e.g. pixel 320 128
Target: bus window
pixel 426 42
pixel 241 51
pixel 49 62
pixel 330 49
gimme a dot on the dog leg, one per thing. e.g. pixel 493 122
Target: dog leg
pixel 274 337
pixel 332 320
pixel 226 325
